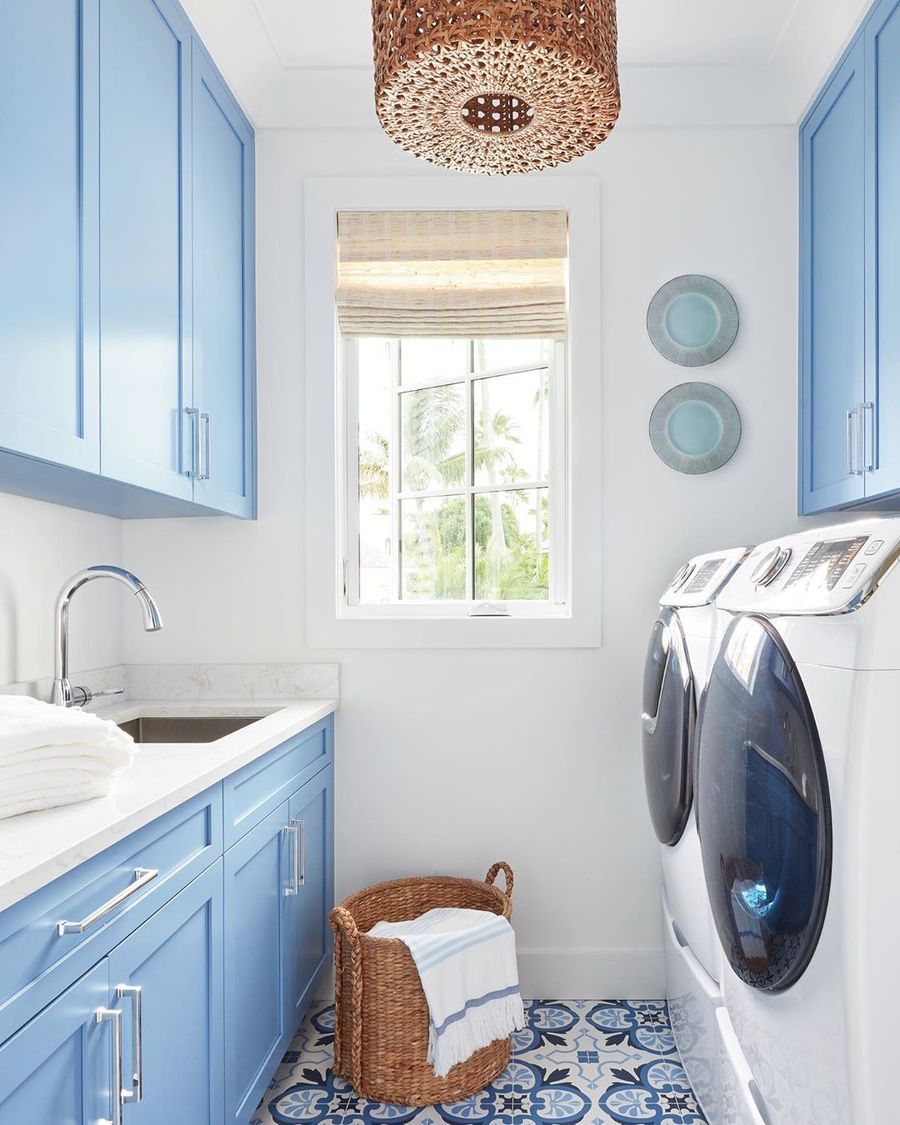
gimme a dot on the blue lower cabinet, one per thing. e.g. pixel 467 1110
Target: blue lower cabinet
pixel 196 990
pixel 166 981
pixel 307 932
pixel 60 1067
pixel 258 878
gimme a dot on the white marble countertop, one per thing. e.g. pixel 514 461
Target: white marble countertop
pixel 38 847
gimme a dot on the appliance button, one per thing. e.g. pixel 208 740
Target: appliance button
pixel 853 576
pixel 874 547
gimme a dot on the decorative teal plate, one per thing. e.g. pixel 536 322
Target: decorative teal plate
pixel 692 320
pixel 695 428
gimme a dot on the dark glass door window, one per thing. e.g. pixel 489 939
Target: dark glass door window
pixel 668 728
pixel 763 808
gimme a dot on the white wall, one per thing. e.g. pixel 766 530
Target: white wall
pixel 447 760
pixel 41 545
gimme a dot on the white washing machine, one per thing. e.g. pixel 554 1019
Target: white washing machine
pixel 682 644
pixel 798 807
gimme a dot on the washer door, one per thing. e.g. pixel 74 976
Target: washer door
pixel 668 722
pixel 763 808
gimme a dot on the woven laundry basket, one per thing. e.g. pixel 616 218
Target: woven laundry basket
pixel 381 1015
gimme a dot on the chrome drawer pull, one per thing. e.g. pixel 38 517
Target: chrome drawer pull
pixel 115 1017
pixel 293 831
pixel 135 993
pixel 301 879
pixel 142 876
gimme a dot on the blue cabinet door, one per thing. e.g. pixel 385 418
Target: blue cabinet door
pixel 145 221
pixel 833 291
pixel 882 44
pixel 49 125
pixel 175 960
pixel 223 294
pixel 255 1033
pixel 60 1066
pixel 308 939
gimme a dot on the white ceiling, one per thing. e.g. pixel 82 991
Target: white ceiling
pixel 306 63
pixel 651 32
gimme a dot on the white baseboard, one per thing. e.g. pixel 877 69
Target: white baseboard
pixel 593 974
pixel 607 974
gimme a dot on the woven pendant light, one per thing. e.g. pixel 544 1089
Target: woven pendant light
pixel 496 86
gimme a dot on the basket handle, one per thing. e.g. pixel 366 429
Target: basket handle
pixel 501 865
pixel 344 926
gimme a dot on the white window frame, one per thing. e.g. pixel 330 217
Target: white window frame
pixel 331 623
pixel 556 485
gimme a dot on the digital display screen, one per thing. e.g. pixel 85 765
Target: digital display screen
pixel 825 563
pixel 703 576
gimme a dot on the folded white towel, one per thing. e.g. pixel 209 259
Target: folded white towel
pixel 467 964
pixel 52 756
pixel 68 787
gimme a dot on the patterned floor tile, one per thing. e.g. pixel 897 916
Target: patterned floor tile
pixel 578 1062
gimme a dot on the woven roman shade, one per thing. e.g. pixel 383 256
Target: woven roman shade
pixel 452 273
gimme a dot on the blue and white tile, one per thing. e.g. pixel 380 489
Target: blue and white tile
pixel 577 1061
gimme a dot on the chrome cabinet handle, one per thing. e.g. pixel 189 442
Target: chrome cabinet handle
pixel 301 874
pixel 115 1018
pixel 142 876
pixel 194 414
pixel 204 473
pixel 867 414
pixel 850 462
pixel 294 832
pixel 135 994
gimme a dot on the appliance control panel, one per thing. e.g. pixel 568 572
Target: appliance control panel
pixel 822 571
pixel 699 580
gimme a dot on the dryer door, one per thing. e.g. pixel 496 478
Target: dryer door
pixel 763 809
pixel 668 722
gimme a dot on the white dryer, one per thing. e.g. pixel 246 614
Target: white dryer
pixel 798 802
pixel 682 644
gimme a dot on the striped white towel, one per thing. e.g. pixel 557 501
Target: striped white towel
pixel 467 964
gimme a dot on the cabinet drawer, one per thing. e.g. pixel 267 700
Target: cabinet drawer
pixel 259 788
pixel 102 901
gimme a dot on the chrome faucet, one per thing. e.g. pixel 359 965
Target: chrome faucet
pixel 64 694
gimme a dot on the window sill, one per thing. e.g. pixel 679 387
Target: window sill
pixel 382 631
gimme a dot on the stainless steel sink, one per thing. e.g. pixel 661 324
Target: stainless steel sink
pixel 186 728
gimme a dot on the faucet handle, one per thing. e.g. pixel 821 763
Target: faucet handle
pixel 82 696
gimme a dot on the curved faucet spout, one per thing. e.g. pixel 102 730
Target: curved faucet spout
pixel 64 694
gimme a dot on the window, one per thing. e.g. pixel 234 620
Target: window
pixel 452 370
pixel 456 481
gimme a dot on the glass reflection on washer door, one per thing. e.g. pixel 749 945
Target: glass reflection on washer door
pixel 763 808
pixel 668 722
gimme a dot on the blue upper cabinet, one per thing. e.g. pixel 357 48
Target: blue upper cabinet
pixel 49 126
pixel 833 298
pixel 145 316
pixel 850 277
pixel 127 317
pixel 882 42
pixel 223 288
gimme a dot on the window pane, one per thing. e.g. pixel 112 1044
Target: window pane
pixel 433 534
pixel 496 355
pixel 375 396
pixel 512 535
pixel 433 444
pixel 429 359
pixel 512 428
